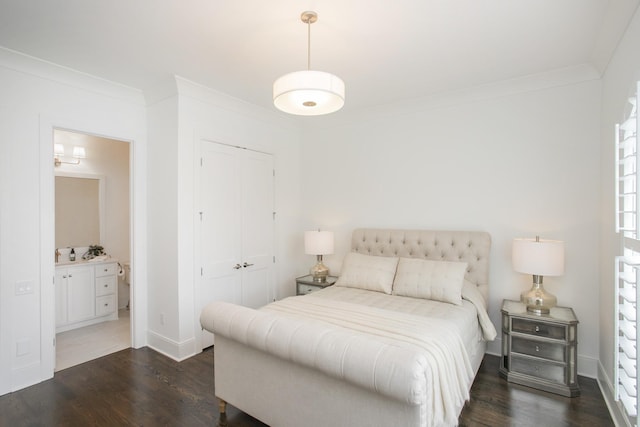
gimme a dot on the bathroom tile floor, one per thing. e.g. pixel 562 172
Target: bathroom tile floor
pixel 83 344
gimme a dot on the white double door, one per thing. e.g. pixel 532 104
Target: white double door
pixel 236 227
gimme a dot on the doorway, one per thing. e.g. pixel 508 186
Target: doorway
pixel 93 242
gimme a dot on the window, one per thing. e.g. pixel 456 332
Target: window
pixel 628 264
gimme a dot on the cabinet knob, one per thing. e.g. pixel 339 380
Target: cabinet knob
pixel 106 269
pixel 106 286
pixel 237 267
pixel 537 348
pixel 537 328
pixel 70 275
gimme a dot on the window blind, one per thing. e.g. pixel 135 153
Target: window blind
pixel 627 280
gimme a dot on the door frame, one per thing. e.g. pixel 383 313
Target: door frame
pixel 47 238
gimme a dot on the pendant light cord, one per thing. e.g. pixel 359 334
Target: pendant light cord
pixel 309 44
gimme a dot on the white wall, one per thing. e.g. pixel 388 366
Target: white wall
pixel 38 96
pixel 618 84
pixel 181 113
pixel 516 159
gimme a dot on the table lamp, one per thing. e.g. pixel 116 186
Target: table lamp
pixel 539 258
pixel 318 243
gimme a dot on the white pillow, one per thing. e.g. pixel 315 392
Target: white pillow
pixel 434 280
pixel 373 273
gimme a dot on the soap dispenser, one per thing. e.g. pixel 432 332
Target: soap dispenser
pixel 72 255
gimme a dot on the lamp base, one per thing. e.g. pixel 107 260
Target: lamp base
pixel 319 272
pixel 537 300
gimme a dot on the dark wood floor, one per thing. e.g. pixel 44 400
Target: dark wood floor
pixel 144 388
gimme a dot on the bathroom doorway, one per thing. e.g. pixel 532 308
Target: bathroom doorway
pixel 93 246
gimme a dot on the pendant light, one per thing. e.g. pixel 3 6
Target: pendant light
pixel 308 92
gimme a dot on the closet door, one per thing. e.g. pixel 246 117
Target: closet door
pixel 257 228
pixel 236 227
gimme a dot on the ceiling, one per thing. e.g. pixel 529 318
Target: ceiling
pixel 384 51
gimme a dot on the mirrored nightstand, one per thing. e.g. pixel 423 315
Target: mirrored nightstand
pixel 540 351
pixel 305 284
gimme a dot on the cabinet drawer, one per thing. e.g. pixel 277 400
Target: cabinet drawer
pixel 307 289
pixel 106 270
pixel 105 304
pixel 539 329
pixel 105 285
pixel 539 369
pixel 547 350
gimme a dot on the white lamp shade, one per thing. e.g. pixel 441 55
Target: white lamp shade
pixel 541 258
pixel 79 153
pixel 318 242
pixel 308 93
pixel 58 150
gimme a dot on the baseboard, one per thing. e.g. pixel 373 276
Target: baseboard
pixel 587 366
pixel 615 409
pixel 25 376
pixel 177 351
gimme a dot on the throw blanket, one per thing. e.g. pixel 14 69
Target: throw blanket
pixel 448 369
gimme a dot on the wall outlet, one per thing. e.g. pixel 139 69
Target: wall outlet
pixel 24 287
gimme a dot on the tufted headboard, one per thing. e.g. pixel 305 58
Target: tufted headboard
pixel 472 247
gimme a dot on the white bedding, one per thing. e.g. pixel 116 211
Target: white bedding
pixel 409 349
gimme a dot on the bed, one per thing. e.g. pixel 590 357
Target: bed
pixel 396 341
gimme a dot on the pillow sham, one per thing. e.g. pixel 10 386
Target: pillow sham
pixel 428 279
pixel 372 273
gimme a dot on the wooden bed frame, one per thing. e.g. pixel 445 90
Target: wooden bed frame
pixel 281 393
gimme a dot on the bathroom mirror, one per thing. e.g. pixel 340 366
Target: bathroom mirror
pixel 79 200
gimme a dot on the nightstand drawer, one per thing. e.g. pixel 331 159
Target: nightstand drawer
pixel 539 369
pixel 539 329
pixel 307 289
pixel 546 350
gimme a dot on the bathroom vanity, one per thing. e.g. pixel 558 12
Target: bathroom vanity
pixel 86 293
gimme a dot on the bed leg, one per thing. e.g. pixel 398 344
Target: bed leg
pixel 222 408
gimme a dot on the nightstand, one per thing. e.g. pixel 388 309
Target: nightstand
pixel 540 351
pixel 306 285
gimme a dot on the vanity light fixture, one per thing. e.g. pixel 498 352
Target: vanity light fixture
pixel 58 155
pixel 308 92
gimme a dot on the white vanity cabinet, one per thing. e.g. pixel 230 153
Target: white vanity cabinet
pixel 74 294
pixel 86 293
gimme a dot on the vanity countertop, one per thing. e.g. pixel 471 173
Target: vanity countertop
pixel 84 261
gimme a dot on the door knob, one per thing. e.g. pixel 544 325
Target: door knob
pixel 237 267
pixel 245 265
